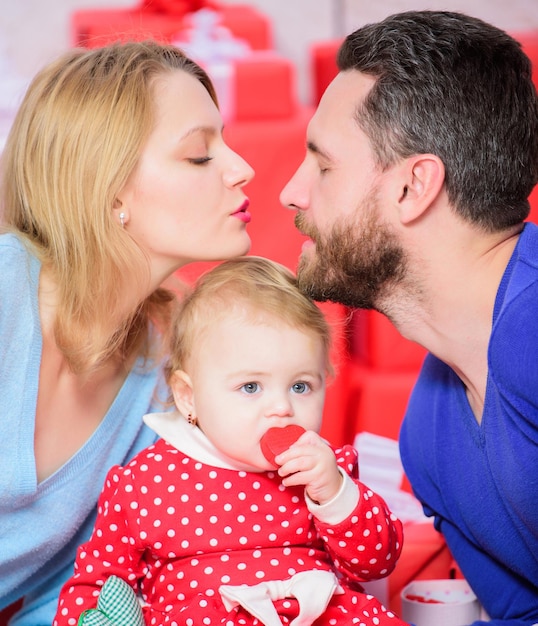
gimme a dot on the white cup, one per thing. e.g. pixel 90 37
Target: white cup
pixel 439 603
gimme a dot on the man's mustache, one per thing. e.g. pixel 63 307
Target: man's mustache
pixel 304 227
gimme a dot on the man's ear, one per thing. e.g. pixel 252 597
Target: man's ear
pixel 181 386
pixel 421 179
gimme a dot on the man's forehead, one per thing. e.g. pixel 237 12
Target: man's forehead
pixel 343 96
pixel 336 112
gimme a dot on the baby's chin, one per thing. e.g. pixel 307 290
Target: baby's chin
pixel 263 465
pixel 257 465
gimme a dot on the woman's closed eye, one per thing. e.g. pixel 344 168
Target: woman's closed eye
pixel 200 160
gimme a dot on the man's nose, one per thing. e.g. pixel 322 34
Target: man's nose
pixel 294 195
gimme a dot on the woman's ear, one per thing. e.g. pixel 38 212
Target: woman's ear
pixel 422 178
pixel 181 386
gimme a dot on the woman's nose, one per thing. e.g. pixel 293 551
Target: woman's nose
pixel 239 172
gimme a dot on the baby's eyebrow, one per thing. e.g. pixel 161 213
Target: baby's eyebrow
pixel 247 375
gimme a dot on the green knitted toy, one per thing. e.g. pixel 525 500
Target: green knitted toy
pixel 117 606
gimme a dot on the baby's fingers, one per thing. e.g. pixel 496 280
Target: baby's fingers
pixel 295 464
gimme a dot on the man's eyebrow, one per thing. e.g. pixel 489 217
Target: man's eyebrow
pixel 315 149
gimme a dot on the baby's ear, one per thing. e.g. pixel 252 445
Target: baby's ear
pixel 181 386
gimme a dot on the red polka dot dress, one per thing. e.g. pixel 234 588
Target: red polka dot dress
pixel 177 529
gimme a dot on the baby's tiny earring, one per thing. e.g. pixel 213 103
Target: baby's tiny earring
pixel 191 419
pixel 122 219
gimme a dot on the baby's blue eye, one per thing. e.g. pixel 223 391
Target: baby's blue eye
pixel 300 387
pixel 250 387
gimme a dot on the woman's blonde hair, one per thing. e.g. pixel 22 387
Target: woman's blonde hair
pixel 255 287
pixel 74 142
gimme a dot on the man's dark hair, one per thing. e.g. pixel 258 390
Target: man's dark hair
pixel 457 87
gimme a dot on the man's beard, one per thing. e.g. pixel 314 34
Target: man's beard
pixel 355 263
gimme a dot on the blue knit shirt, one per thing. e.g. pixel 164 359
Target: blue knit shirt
pixel 480 481
pixel 42 524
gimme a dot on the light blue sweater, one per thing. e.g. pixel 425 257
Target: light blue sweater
pixel 41 525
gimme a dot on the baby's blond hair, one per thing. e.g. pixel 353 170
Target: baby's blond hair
pixel 255 287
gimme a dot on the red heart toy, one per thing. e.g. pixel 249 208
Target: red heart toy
pixel 276 440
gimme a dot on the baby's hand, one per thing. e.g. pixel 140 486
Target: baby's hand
pixel 311 462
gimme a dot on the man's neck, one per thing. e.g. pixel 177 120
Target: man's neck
pixel 446 302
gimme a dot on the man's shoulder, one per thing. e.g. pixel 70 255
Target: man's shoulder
pixel 527 247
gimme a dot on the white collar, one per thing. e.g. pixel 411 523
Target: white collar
pixel 190 440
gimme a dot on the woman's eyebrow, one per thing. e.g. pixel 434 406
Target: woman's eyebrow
pixel 205 130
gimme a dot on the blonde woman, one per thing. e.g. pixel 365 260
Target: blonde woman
pixel 115 174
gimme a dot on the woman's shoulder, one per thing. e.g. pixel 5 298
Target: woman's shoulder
pixel 18 266
pixel 10 241
pixel 11 238
pixel 13 251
